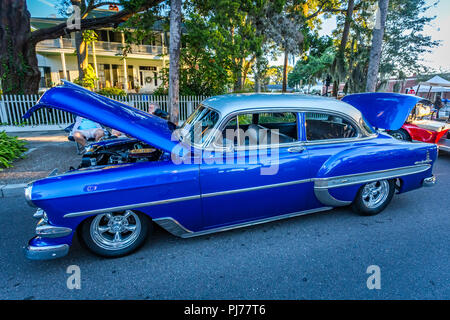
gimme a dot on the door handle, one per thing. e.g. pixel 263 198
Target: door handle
pixel 296 149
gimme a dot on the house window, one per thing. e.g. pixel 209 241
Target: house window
pixel 61 75
pixel 103 35
pixel 147 68
pixel 46 77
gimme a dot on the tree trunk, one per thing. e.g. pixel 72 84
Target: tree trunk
pixel 19 72
pixel 246 65
pixel 348 21
pixel 258 74
pixel 238 85
pixel 174 56
pixel 284 89
pixel 335 89
pixel 82 54
pixel 377 42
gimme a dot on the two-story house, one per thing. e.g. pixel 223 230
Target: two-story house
pixel 138 71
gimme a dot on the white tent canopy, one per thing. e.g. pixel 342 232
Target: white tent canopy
pixel 424 88
pixel 435 84
pixel 436 81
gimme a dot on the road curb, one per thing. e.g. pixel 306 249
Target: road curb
pixel 12 190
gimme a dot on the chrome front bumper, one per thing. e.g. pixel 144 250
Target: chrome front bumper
pixel 45 230
pixel 429 182
pixel 46 252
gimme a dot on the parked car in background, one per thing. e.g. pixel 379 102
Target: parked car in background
pixel 422 126
pixel 287 155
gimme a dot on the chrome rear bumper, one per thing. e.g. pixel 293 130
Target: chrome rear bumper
pixel 46 252
pixel 429 182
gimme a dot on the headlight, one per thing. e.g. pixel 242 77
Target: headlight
pixel 28 191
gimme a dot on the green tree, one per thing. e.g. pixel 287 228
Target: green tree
pixel 404 41
pixel 234 39
pixel 316 63
pixel 19 72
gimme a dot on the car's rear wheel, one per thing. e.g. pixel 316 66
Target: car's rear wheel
pixel 115 234
pixel 400 135
pixel 373 197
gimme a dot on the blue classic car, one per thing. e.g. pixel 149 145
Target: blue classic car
pixel 238 160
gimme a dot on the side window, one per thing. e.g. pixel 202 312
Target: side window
pixel 266 128
pixel 322 126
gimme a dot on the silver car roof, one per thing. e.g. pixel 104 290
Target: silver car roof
pixel 229 103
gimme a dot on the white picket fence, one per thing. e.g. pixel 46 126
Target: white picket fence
pixel 13 107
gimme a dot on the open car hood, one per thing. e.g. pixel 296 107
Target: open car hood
pixel 383 110
pixel 136 123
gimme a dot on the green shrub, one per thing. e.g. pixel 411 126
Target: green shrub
pixel 112 92
pixel 10 148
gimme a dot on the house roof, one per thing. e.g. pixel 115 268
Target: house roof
pixel 43 22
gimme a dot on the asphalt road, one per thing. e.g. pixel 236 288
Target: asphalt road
pixel 320 256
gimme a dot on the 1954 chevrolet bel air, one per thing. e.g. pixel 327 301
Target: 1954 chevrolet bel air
pixel 237 160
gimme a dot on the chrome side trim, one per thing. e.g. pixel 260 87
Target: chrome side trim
pixel 206 195
pixel 319 183
pixel 365 177
pixel 172 226
pixel 267 186
pixel 342 140
pixel 322 185
pixel 130 206
pixel 46 252
pixel 324 196
pixel 177 229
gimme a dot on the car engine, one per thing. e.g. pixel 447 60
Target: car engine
pixel 118 151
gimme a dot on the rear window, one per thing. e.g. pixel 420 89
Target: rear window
pixel 323 126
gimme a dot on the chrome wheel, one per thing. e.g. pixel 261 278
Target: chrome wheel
pixel 115 231
pixel 398 136
pixel 375 193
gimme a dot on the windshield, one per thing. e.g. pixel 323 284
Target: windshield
pixel 199 124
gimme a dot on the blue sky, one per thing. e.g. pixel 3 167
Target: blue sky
pixel 439 30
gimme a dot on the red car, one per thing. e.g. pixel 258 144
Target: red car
pixel 420 127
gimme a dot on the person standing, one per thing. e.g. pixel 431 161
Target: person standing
pixel 438 105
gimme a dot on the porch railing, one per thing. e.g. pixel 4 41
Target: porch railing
pixel 102 46
pixel 13 107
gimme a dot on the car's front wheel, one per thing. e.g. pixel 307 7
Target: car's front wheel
pixel 373 197
pixel 115 234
